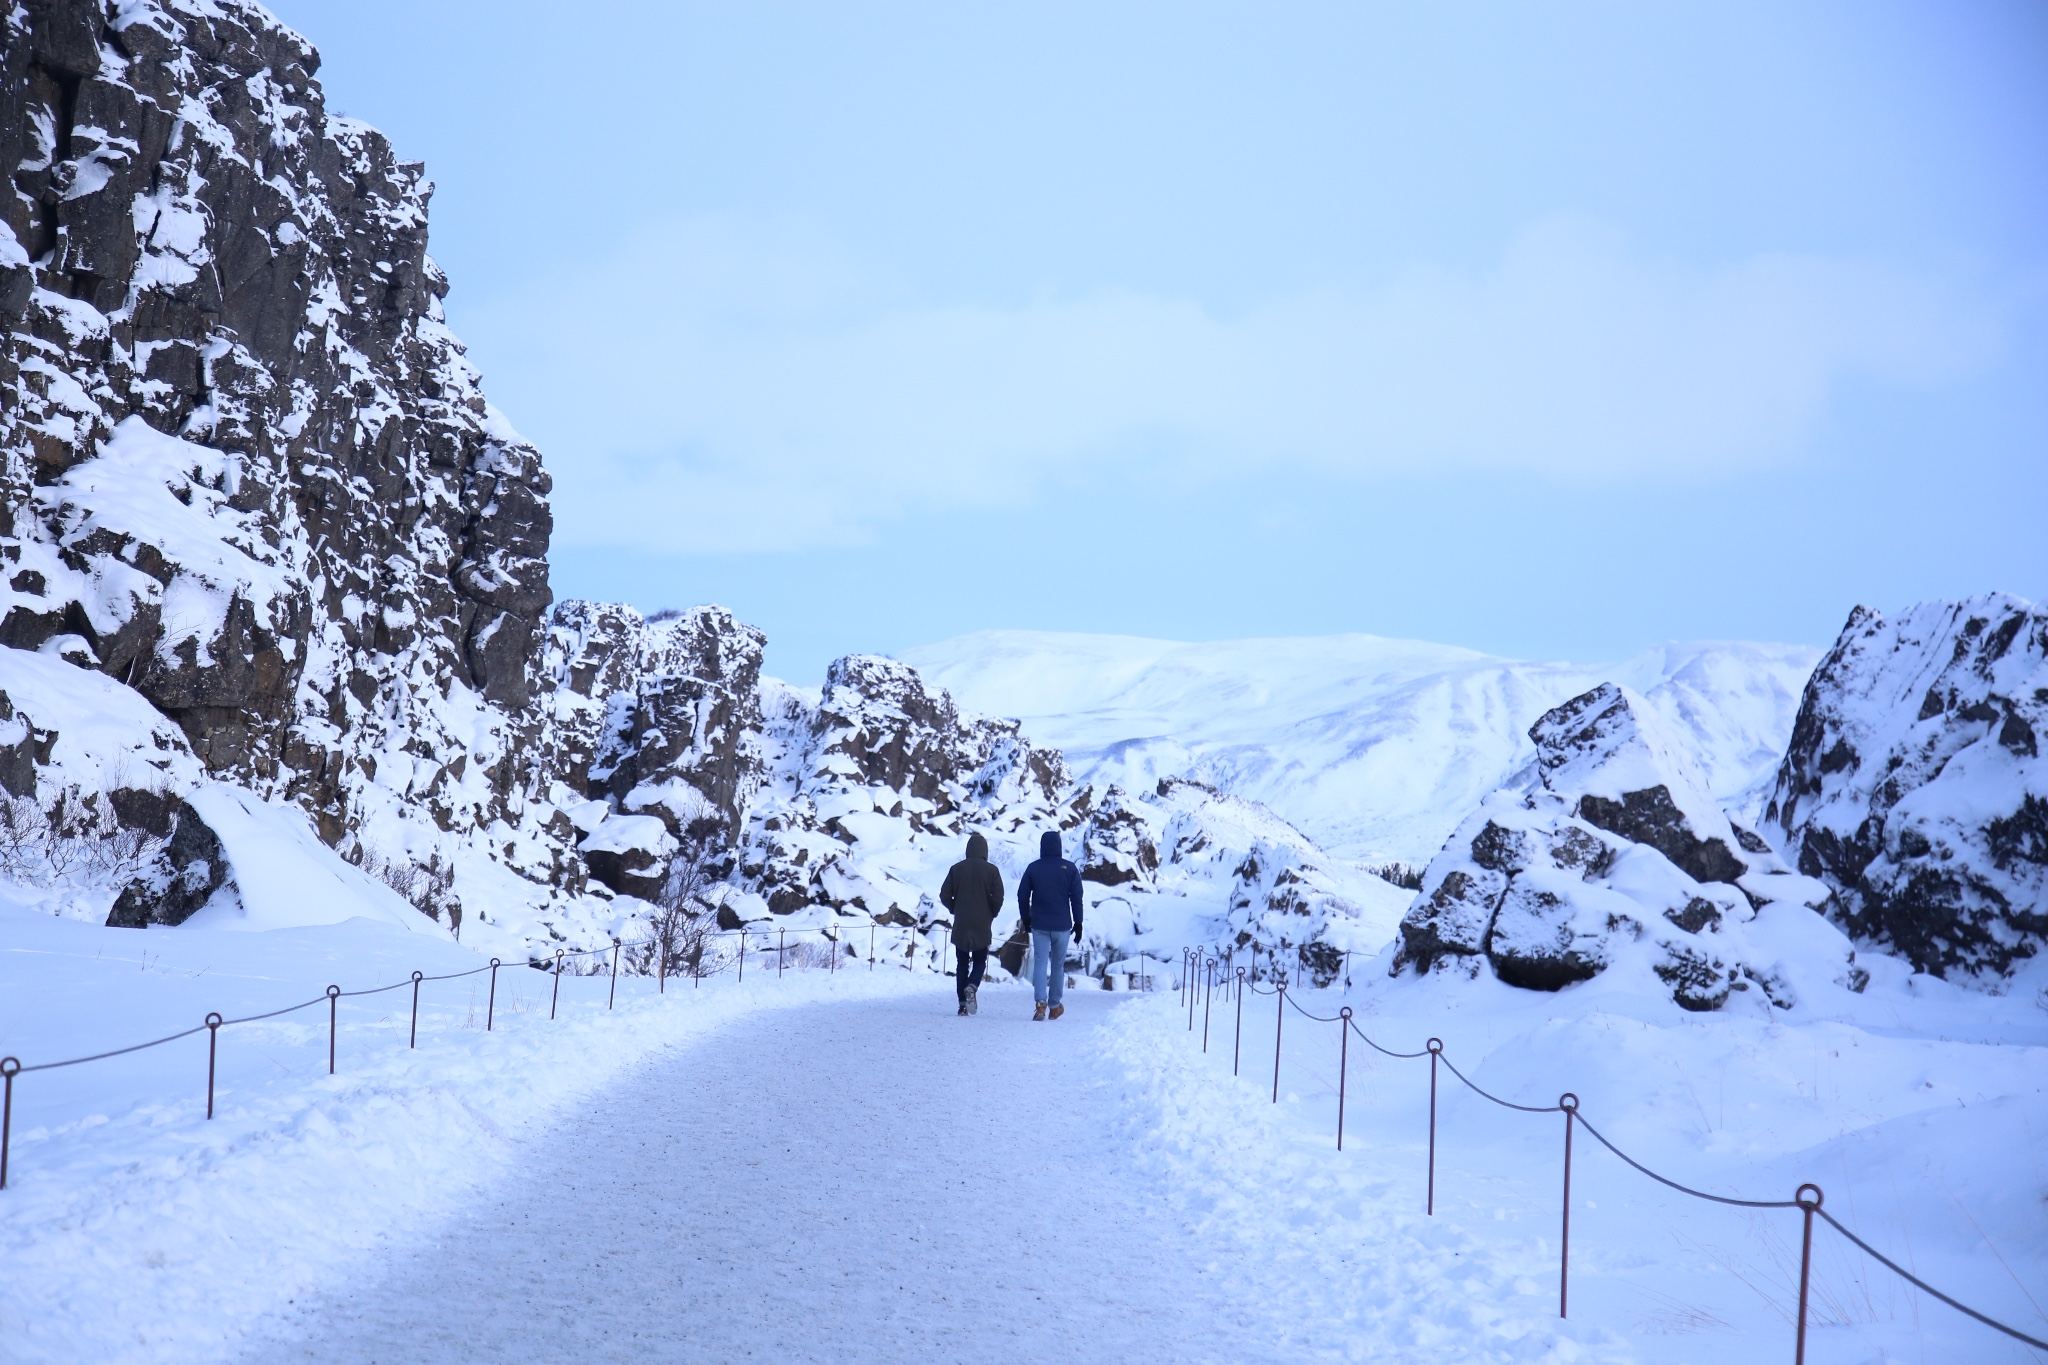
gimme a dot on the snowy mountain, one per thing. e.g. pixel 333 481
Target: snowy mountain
pixel 1375 748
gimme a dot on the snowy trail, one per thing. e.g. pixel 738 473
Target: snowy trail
pixel 872 1181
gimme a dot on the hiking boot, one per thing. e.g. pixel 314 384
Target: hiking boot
pixel 1038 1015
pixel 1057 1011
pixel 964 1010
pixel 974 1000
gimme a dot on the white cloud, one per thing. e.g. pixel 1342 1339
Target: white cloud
pixel 712 390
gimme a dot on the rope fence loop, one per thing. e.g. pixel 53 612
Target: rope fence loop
pixel 1808 1198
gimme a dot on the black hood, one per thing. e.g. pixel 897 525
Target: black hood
pixel 1049 845
pixel 977 847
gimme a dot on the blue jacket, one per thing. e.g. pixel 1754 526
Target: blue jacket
pixel 1049 895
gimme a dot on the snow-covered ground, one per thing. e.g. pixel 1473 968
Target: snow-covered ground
pixel 1375 748
pixel 1919 1109
pixel 711 1175
pixel 134 1229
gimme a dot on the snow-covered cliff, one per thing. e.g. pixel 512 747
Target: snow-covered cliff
pixel 1915 785
pixel 247 476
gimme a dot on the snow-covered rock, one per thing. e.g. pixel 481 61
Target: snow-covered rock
pixel 1615 854
pixel 1915 784
pixel 1225 872
pixel 871 788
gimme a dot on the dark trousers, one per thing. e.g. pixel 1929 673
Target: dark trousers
pixel 965 959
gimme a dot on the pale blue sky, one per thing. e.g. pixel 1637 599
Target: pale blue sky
pixel 1551 330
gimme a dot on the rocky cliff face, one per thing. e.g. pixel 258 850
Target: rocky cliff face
pixel 1915 784
pixel 1617 855
pixel 244 468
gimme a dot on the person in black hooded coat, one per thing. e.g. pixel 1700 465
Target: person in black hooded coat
pixel 973 892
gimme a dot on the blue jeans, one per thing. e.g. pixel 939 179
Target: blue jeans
pixel 1049 965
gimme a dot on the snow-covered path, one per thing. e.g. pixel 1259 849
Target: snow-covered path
pixel 869 1181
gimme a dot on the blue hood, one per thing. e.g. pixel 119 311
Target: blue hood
pixel 1049 845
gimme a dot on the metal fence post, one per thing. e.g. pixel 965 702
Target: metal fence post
pixel 556 998
pixel 613 998
pixel 413 1039
pixel 9 1068
pixel 1343 1067
pixel 491 1005
pixel 1208 990
pixel 1191 964
pixel 1279 1022
pixel 1436 1047
pixel 213 1023
pixel 333 1000
pixel 1237 1039
pixel 871 947
pixel 1570 1104
pixel 1807 1206
pixel 743 956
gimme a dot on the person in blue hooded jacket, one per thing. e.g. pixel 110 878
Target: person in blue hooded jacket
pixel 1049 903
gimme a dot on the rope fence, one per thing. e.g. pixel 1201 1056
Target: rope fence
pixel 1202 972
pixel 663 955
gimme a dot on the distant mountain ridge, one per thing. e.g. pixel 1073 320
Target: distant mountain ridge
pixel 1374 747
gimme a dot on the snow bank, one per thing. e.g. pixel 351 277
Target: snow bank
pixel 1917 1107
pixel 284 877
pixel 137 1231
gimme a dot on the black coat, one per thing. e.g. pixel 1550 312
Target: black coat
pixel 974 893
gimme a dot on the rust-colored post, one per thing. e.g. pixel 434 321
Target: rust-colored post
pixel 871 947
pixel 1190 964
pixel 1237 1042
pixel 1343 1067
pixel 612 998
pixel 333 999
pixel 1807 1206
pixel 1208 990
pixel 1570 1104
pixel 831 952
pixel 1436 1047
pixel 213 1023
pixel 660 963
pixel 1279 1021
pixel 491 1004
pixel 10 1067
pixel 781 942
pixel 556 998
pixel 413 1040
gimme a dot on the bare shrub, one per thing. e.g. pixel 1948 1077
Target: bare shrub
pixel 74 840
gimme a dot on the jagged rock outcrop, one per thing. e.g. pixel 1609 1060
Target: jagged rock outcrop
pixel 244 468
pixel 873 787
pixel 1915 784
pixel 1281 895
pixel 661 716
pixel 1617 852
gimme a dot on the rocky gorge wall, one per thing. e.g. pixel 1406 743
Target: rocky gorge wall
pixel 245 470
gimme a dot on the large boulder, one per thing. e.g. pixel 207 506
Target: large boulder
pixel 1616 854
pixel 1915 785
